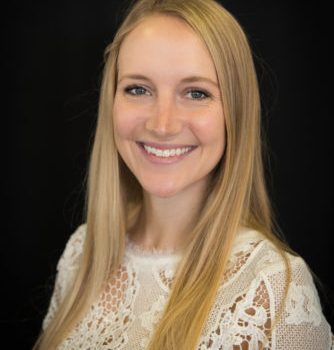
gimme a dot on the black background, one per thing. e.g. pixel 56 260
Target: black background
pixel 52 55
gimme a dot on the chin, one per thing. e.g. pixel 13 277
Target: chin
pixel 161 191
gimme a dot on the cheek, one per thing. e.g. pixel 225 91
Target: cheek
pixel 210 130
pixel 124 121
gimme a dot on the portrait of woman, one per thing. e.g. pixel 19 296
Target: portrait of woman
pixel 179 248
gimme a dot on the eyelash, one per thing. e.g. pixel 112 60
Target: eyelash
pixel 132 87
pixel 204 93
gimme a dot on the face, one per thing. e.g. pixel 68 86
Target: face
pixel 168 116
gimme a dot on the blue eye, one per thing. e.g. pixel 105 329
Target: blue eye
pixel 198 94
pixel 135 90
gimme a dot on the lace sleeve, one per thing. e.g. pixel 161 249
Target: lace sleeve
pixel 66 268
pixel 303 325
pixel 247 306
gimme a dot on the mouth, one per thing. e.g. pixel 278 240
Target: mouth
pixel 165 151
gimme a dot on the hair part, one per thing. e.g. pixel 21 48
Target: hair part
pixel 237 195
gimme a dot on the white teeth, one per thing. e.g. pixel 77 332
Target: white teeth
pixel 166 152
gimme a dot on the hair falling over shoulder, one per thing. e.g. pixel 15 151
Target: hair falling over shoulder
pixel 237 196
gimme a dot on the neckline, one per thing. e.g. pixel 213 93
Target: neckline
pixel 137 250
pixel 243 236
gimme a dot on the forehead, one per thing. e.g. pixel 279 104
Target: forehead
pixel 163 43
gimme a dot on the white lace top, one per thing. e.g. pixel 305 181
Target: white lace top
pixel 127 311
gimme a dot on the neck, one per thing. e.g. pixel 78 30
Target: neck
pixel 165 223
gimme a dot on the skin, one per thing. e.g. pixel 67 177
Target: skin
pixel 166 107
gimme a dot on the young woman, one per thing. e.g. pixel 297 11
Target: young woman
pixel 178 250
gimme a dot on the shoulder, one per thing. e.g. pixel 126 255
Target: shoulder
pixel 263 260
pixel 257 293
pixel 281 276
pixel 263 257
pixel 66 269
pixel 73 250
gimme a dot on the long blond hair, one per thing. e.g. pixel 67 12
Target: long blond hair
pixel 237 195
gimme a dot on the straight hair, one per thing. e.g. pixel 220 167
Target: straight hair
pixel 237 195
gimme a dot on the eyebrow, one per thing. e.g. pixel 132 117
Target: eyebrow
pixel 192 79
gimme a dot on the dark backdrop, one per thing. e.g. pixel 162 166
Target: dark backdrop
pixel 52 53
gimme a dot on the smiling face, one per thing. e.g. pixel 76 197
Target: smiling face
pixel 168 116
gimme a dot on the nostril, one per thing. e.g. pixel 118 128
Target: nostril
pixel 163 126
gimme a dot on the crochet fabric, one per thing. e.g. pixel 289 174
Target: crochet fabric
pixel 126 312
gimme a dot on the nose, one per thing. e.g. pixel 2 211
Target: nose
pixel 165 119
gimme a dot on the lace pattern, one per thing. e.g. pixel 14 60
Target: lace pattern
pixel 108 320
pixel 302 306
pixel 245 324
pixel 132 302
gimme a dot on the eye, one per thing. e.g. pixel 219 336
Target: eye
pixel 136 90
pixel 196 94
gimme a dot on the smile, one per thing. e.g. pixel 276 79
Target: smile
pixel 166 151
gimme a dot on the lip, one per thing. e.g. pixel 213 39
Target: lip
pixel 164 160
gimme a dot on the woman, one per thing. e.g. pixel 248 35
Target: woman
pixel 179 251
